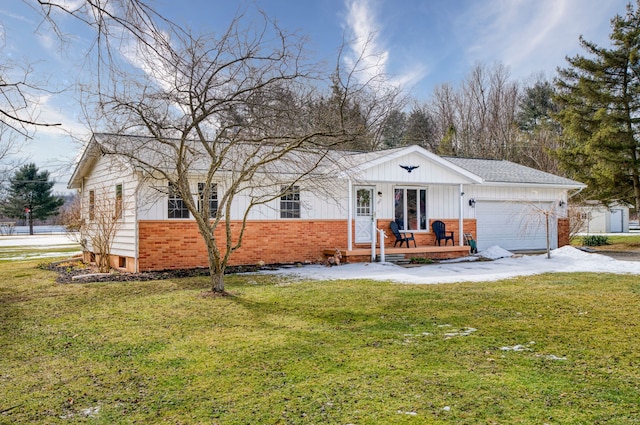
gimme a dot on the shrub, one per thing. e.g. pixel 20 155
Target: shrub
pixel 595 240
pixel 420 260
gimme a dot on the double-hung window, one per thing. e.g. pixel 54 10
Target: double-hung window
pixel 290 202
pixel 410 208
pixel 176 205
pixel 213 199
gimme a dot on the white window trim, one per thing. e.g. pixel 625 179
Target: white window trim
pixel 404 207
pixel 281 211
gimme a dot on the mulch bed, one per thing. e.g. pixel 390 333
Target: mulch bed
pixel 85 273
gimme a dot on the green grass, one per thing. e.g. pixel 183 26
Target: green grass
pixel 287 352
pixel 615 243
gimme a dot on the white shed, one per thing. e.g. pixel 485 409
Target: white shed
pixel 599 218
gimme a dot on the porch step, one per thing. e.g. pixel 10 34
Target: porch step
pixel 394 258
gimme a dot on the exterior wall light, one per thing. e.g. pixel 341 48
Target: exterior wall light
pixel 562 204
pixel 472 203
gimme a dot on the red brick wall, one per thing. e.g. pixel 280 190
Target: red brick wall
pixel 168 244
pixel 422 239
pixel 563 232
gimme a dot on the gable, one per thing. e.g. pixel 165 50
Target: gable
pixel 386 166
pixel 428 171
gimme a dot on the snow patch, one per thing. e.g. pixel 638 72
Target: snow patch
pixel 495 253
pixel 566 259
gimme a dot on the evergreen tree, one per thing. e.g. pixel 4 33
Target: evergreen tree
pixel 599 97
pixel 536 106
pixel 394 128
pixel 30 196
pixel 539 135
pixel 421 129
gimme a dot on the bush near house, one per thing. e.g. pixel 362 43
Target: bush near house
pixel 595 240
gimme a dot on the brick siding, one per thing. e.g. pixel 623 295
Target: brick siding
pixel 171 244
pixel 563 232
pixel 168 244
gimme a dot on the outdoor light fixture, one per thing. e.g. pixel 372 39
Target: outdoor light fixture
pixel 562 204
pixel 472 203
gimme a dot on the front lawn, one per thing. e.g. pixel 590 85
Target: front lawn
pixel 556 349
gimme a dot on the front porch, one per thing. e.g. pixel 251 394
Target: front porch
pixel 362 255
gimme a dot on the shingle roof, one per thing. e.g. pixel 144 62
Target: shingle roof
pixel 500 171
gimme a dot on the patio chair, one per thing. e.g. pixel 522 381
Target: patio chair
pixel 439 228
pixel 401 236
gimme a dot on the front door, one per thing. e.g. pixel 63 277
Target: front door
pixel 363 214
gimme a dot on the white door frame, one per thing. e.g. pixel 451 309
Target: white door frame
pixel 363 214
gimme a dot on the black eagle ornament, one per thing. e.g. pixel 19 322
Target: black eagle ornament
pixel 409 168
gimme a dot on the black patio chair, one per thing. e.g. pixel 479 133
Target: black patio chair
pixel 439 228
pixel 401 236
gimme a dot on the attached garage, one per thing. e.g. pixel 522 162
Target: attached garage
pixel 514 225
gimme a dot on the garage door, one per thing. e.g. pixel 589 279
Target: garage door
pixel 514 225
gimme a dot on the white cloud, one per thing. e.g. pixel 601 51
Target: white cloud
pixel 530 36
pixel 50 113
pixel 368 46
pixel 365 45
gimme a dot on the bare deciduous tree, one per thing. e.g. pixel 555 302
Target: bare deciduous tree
pixel 478 118
pixel 241 107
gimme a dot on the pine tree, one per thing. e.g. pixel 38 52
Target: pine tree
pixel 30 195
pixel 599 97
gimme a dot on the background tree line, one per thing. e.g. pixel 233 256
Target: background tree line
pixel 488 115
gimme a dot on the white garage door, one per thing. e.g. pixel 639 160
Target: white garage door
pixel 514 225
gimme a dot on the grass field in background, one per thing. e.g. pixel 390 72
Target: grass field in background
pixel 625 242
pixel 555 349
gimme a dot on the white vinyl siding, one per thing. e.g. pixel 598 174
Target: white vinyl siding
pixel 108 173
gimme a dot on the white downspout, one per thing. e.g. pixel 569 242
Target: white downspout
pixel 350 218
pixel 136 247
pixel 461 218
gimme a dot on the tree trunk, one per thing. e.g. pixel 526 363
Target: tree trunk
pixel 548 239
pixel 216 268
pixel 30 217
pixel 217 281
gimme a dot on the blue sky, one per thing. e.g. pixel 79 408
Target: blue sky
pixel 423 43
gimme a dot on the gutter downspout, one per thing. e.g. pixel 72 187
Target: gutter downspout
pixel 349 217
pixel 460 217
pixel 137 226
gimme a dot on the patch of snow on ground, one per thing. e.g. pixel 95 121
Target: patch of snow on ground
pixel 495 253
pixel 36 240
pixel 565 259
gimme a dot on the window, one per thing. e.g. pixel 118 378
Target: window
pixel 118 201
pixel 213 199
pixel 177 208
pixel 290 202
pixel 92 204
pixel 410 206
pixel 363 202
